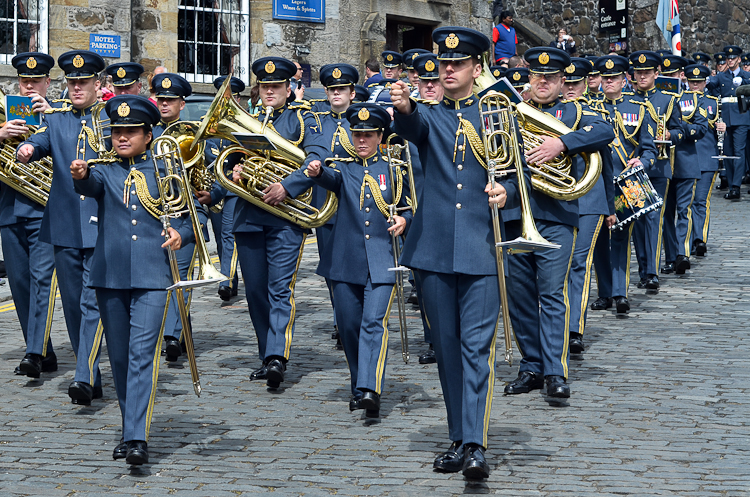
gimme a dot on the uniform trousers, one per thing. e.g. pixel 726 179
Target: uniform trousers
pixel 323 237
pixel 735 141
pixel 269 260
pixel 647 233
pixel 701 211
pixel 538 298
pixel 603 264
pixel 463 311
pixel 132 319
pixel 222 223
pixel 33 283
pixel 363 312
pixel 81 312
pixel 677 232
pixel 172 321
pixel 420 299
pixel 620 259
pixel 589 229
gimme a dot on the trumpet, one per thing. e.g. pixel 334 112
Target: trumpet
pixel 399 157
pixel 176 199
pixel 661 135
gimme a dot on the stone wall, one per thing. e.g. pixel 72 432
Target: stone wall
pixel 707 25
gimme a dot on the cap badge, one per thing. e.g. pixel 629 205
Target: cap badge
pixel 166 83
pixel 121 73
pixel 517 76
pixel 544 58
pixel 609 64
pixel 270 67
pixel 78 62
pixel 429 65
pixel 123 110
pixel 363 114
pixel 642 58
pixel 414 55
pixel 696 71
pixel 451 41
pixel 336 73
pixel 667 63
pixel 496 73
pixel 570 69
pixel 389 58
pixel 31 62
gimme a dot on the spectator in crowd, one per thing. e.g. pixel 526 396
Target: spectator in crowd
pixel 372 72
pixel 564 42
pixel 504 37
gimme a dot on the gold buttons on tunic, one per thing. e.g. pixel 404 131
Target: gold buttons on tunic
pixel 135 237
pixel 367 237
pixel 83 197
pixel 134 222
pixel 460 186
pixel 458 206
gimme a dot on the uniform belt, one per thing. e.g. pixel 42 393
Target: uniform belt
pixel 729 100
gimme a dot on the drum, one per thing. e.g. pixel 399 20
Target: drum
pixel 634 196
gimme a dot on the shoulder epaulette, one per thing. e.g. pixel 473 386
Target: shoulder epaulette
pixel 321 112
pixel 300 104
pixel 427 102
pixel 630 93
pixel 62 100
pixel 64 108
pixel 671 93
pixel 711 96
pixel 338 159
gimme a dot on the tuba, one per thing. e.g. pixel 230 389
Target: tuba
pixel 260 168
pixel 33 179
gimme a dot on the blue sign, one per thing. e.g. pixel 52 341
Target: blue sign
pixel 105 45
pixel 299 10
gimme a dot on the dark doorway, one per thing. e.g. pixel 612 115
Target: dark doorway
pixel 404 34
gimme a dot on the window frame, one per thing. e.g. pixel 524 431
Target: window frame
pixel 42 35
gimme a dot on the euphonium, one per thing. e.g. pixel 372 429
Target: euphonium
pixel 32 179
pixel 260 168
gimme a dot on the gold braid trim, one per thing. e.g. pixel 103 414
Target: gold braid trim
pixel 377 196
pixel 621 125
pixel 148 202
pixel 579 114
pixel 90 137
pixel 301 129
pixel 475 141
pixel 343 137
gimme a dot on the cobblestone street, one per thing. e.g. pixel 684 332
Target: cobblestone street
pixel 658 405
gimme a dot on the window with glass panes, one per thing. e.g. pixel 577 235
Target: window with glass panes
pixel 23 27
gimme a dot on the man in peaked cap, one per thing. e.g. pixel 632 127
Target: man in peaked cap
pixel 498 71
pixel 575 78
pixel 721 62
pixel 702 58
pixel 126 77
pixel 539 308
pixel 518 77
pixel 408 59
pixel 594 80
pixel 391 64
pixel 170 91
pixel 724 86
pixel 647 229
pixel 672 67
pixel 70 220
pixel 31 261
pixel 457 267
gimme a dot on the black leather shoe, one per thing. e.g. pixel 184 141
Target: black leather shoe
pixel 173 349
pixel 98 393
pixel 576 343
pixel 354 404
pixel 428 357
pixel 652 282
pixel 668 268
pixel 475 465
pixel 275 373
pixel 335 334
pixel 700 248
pixel 556 387
pixel 370 402
pixel 260 373
pixel 80 393
pixel 49 363
pixel 681 264
pixel 137 453
pixel 121 450
pixel 339 345
pixel 642 283
pixel 225 293
pixel 723 183
pixel 734 194
pixel 18 371
pixel 412 299
pixel 601 304
pixel 622 305
pixel 452 460
pixel 31 365
pixel 526 382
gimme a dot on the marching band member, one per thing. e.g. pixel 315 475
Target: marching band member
pixel 70 220
pixel 703 59
pixel 633 145
pixel 677 232
pixel 724 86
pixel 706 148
pixel 647 229
pixel 31 262
pixel 450 245
pixel 538 281
pixel 360 251
pixel 594 81
pixel 126 78
pixel 391 64
pixel 596 214
pixel 223 221
pixel 130 266
pixel 270 248
pixel 411 72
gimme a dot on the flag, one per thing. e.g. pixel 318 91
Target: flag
pixel 668 20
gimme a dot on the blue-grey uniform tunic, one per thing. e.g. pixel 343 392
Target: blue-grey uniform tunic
pixel 724 86
pixel 706 148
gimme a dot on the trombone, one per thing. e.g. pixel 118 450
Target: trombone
pixel 176 198
pixel 399 157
